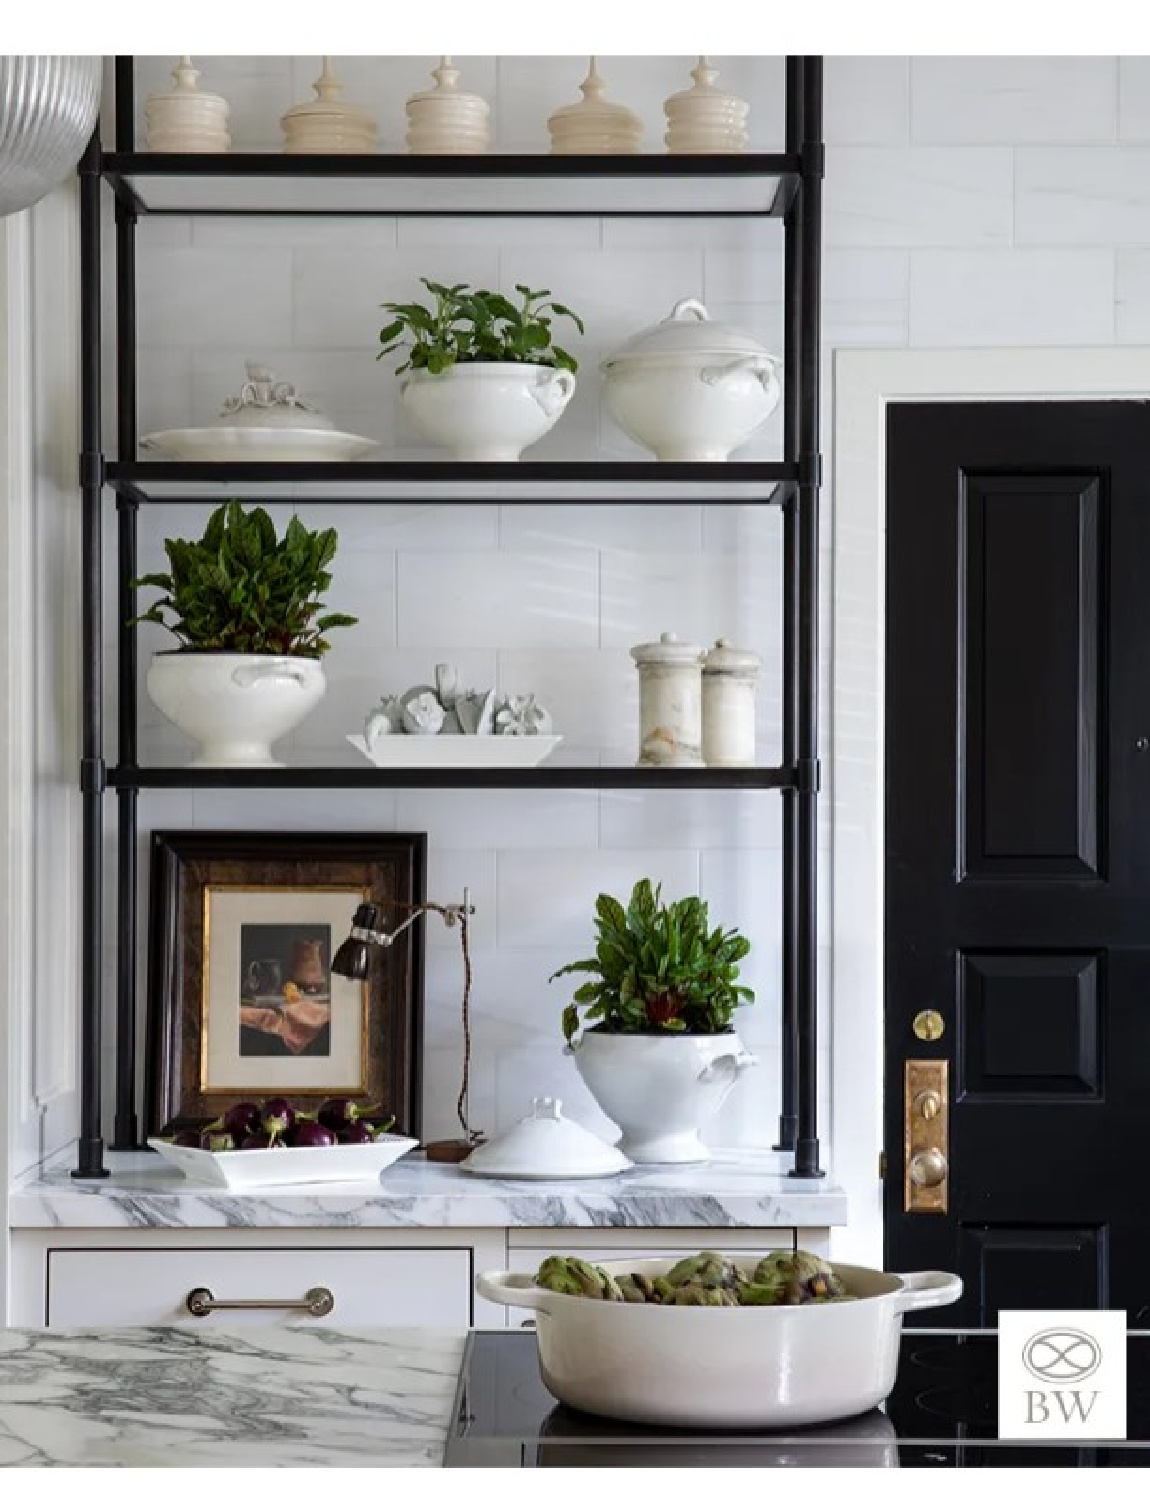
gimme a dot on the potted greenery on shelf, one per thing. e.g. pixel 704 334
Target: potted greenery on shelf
pixel 662 991
pixel 482 376
pixel 245 607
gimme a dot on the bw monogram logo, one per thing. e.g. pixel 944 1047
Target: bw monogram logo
pixel 1062 1354
pixel 1059 1381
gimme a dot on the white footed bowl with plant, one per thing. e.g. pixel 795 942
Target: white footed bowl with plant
pixel 482 375
pixel 661 989
pixel 246 610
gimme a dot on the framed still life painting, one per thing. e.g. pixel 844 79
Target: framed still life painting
pixel 242 1003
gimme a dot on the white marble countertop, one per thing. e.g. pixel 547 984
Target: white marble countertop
pixel 283 1396
pixel 735 1190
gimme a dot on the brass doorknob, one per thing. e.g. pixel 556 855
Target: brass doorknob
pixel 928 1168
pixel 927 1104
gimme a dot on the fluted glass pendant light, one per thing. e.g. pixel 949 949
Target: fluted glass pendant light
pixel 48 109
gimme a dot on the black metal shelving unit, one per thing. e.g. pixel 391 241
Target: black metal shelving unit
pixel 786 186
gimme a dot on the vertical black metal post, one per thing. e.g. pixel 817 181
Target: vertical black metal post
pixel 806 850
pixel 792 378
pixel 90 1152
pixel 126 1129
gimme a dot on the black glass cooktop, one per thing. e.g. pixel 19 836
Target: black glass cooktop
pixel 942 1413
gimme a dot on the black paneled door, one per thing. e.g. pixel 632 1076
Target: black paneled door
pixel 1018 845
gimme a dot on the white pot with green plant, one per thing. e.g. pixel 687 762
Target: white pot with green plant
pixel 246 608
pixel 662 1054
pixel 482 377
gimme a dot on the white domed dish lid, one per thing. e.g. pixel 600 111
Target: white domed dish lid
pixel 543 1146
pixel 688 334
pixel 268 403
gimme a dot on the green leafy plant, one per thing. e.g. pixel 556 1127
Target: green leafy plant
pixel 467 326
pixel 657 968
pixel 241 588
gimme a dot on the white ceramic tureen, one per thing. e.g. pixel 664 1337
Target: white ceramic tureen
pixel 545 1145
pixel 690 388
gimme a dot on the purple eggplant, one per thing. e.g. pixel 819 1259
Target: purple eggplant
pixel 259 1141
pixel 218 1140
pixel 337 1114
pixel 242 1119
pixel 310 1133
pixel 358 1133
pixel 277 1115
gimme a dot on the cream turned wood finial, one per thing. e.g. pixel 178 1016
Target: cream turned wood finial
pixel 705 118
pixel 326 124
pixel 183 118
pixel 595 127
pixel 446 121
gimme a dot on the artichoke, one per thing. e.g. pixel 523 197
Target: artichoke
pixel 696 1295
pixel 794 1279
pixel 639 1288
pixel 706 1270
pixel 577 1278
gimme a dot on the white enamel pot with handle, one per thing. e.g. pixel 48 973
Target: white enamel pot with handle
pixel 487 413
pixel 234 705
pixel 723 1367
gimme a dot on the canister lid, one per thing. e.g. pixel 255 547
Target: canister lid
pixel 668 650
pixel 723 657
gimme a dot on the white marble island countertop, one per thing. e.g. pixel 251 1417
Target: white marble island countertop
pixel 735 1190
pixel 166 1397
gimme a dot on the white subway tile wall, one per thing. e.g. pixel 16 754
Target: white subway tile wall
pixel 970 201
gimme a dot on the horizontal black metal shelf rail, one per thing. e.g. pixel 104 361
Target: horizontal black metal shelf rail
pixel 355 184
pixel 713 484
pixel 471 778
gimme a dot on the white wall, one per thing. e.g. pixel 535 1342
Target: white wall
pixel 970 202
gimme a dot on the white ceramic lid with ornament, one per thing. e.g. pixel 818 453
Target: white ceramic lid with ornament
pixel 545 1145
pixel 267 421
pixel 733 661
pixel 687 335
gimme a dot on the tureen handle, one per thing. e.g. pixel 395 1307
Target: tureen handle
pixel 762 365
pixel 689 307
pixel 921 1289
pixel 554 392
pixel 272 671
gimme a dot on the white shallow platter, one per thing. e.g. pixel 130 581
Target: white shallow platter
pixel 255 445
pixel 407 750
pixel 285 1166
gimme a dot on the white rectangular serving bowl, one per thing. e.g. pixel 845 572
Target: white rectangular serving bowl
pixel 407 750
pixel 285 1166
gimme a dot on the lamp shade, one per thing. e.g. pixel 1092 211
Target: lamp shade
pixel 48 110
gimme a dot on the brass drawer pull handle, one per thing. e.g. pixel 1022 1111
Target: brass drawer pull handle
pixel 318 1301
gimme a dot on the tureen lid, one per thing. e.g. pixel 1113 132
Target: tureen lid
pixel 265 402
pixel 689 332
pixel 723 657
pixel 668 650
pixel 546 1144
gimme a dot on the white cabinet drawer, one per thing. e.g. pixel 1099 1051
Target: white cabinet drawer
pixel 121 1288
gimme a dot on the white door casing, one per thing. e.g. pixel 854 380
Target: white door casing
pixel 865 381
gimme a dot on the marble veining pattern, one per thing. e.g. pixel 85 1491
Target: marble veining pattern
pixel 736 1189
pixel 164 1397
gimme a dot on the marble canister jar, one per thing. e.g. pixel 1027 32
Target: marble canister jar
pixel 729 679
pixel 670 702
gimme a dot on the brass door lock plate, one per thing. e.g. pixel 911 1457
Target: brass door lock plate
pixel 926 1143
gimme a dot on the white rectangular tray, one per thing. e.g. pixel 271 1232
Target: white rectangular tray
pixel 285 1166
pixel 407 750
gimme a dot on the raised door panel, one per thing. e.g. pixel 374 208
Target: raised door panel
pixel 1030 638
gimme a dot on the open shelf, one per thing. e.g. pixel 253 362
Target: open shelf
pixel 493 185
pixel 471 778
pixel 578 483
